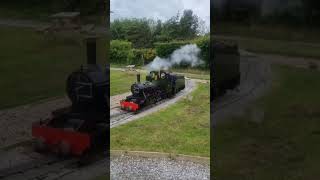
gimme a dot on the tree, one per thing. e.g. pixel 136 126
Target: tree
pixel 311 11
pixel 137 31
pixel 189 24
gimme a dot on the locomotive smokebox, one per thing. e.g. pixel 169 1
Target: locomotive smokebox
pixel 91 50
pixel 138 78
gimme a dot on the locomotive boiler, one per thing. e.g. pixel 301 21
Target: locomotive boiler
pixel 159 85
pixel 84 126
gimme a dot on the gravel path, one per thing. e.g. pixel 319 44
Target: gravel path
pixel 129 167
pixel 18 121
pixel 256 78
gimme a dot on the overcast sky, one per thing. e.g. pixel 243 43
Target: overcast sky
pixel 158 9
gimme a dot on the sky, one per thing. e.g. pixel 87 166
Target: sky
pixel 158 9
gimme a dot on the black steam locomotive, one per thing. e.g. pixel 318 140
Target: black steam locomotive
pixel 158 85
pixel 83 126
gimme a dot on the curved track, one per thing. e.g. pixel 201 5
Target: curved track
pixel 118 116
pixel 35 166
pixel 255 80
pixel 31 165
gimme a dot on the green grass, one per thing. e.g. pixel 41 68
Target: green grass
pixel 19 11
pixel 272 32
pixel 183 128
pixel 104 177
pixel 34 68
pixel 122 81
pixel 285 145
pixel 274 39
pixel 280 47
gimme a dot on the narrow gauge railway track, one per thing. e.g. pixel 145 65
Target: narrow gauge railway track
pixel 36 169
pixel 255 79
pixel 47 168
pixel 119 117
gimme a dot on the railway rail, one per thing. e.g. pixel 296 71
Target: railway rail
pixel 256 77
pixel 118 116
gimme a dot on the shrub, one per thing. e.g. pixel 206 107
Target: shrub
pixel 120 51
pixel 164 50
pixel 142 56
pixel 204 44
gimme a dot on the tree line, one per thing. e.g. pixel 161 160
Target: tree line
pixel 86 7
pixel 304 13
pixel 143 33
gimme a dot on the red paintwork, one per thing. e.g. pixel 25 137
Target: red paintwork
pixel 79 142
pixel 126 104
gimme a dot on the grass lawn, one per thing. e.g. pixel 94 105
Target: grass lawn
pixel 121 81
pixel 183 128
pixel 19 11
pixel 34 68
pixel 273 32
pixel 286 144
pixel 280 47
pixel 273 39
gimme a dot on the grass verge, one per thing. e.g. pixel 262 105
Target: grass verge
pixel 183 128
pixel 274 39
pixel 272 32
pixel 280 47
pixel 122 81
pixel 34 67
pixel 285 144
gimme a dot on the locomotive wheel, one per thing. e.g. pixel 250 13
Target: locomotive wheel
pixel 64 148
pixel 40 145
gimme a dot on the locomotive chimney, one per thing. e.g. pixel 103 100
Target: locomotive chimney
pixel 138 78
pixel 91 51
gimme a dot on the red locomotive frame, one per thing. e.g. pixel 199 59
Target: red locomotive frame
pixel 129 106
pixel 61 140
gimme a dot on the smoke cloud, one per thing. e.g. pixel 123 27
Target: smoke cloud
pixel 188 54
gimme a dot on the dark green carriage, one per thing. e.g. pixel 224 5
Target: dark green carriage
pixel 167 82
pixel 226 66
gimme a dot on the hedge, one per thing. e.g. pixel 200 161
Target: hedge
pixel 164 50
pixel 120 51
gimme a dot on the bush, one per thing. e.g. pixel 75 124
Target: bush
pixel 142 56
pixel 120 52
pixel 164 50
pixel 137 58
pixel 204 44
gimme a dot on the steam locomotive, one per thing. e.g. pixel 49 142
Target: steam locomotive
pixel 158 85
pixel 84 126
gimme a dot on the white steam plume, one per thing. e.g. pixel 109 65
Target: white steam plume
pixel 188 54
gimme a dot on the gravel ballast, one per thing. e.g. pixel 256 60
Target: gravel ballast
pixel 133 167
